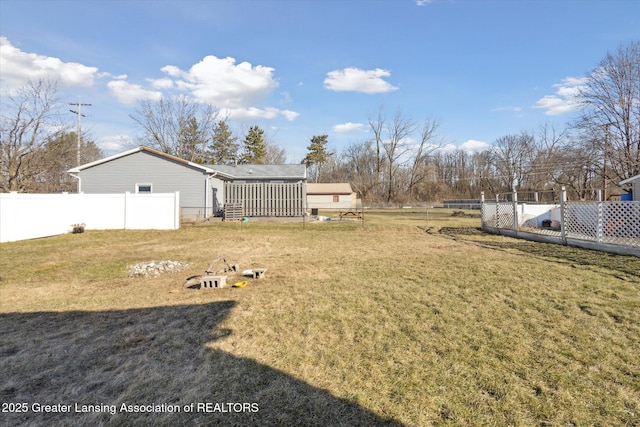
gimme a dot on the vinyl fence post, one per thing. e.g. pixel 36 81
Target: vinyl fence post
pixel 563 221
pixel 126 200
pixel 176 211
pixel 600 223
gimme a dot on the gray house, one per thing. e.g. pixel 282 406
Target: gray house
pixel 259 190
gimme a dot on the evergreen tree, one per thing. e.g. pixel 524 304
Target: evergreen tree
pixel 58 156
pixel 255 146
pixel 317 155
pixel 192 140
pixel 223 148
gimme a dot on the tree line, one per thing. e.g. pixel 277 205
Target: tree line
pixel 403 161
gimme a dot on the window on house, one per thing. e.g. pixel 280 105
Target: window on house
pixel 143 188
pixel 336 199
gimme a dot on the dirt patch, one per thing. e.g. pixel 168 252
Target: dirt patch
pixel 467 231
pixel 463 214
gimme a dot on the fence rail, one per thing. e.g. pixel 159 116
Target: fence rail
pixel 608 226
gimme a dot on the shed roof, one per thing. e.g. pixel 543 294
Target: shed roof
pixel 329 188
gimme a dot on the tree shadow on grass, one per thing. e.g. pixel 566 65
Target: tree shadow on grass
pixel 620 266
pixel 151 356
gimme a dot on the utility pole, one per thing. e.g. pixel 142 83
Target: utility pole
pixel 78 113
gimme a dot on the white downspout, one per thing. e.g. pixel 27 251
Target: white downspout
pixel 206 194
pixel 79 182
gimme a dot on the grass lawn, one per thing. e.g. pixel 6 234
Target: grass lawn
pixel 403 320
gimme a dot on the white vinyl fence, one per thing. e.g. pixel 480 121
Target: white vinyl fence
pixel 606 226
pixel 30 216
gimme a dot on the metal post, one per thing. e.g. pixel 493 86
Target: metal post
pixel 482 213
pixel 563 207
pixel 515 210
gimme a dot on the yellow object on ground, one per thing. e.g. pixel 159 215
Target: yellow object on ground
pixel 240 284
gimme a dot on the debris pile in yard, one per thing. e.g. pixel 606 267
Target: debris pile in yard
pixel 156 268
pixel 216 274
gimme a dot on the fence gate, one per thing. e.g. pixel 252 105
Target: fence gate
pixel 267 198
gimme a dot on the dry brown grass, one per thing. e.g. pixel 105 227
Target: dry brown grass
pixel 353 325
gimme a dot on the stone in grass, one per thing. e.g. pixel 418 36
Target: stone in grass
pixel 156 268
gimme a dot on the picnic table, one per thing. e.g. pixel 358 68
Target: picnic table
pixel 351 214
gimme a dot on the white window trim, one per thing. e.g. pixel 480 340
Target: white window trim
pixel 138 185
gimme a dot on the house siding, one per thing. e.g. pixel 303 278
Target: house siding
pixel 164 175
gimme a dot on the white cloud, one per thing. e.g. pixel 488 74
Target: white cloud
pixel 357 80
pixel 129 93
pixel 565 100
pixel 289 115
pixel 253 113
pixel 164 83
pixel 424 2
pixel 19 67
pixel 223 83
pixel 236 89
pixel 112 144
pixel 347 127
pixel 510 109
pixel 472 146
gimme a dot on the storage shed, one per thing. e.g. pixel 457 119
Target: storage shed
pixel 337 196
pixel 204 189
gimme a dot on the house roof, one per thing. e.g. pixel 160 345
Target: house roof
pixel 295 171
pixel 329 188
pixel 230 172
pixel 630 180
pixel 138 150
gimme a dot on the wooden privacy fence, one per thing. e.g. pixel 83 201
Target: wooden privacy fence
pixel 267 198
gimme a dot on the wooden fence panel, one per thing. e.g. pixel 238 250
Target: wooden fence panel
pixel 267 198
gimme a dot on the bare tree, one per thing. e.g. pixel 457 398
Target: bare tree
pixel 177 126
pixel 424 148
pixel 275 154
pixel 511 156
pixel 29 119
pixel 359 167
pixel 611 118
pixel 393 138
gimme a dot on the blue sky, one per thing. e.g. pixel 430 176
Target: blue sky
pixel 299 68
